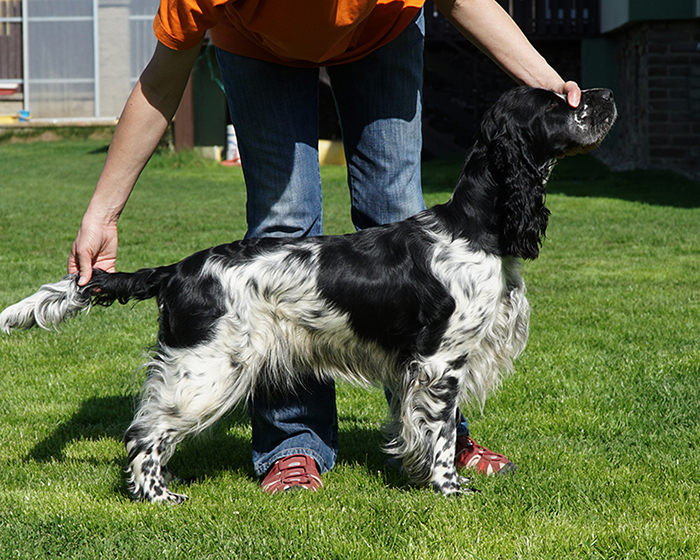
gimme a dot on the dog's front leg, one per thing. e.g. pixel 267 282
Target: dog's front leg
pixel 444 477
pixel 426 435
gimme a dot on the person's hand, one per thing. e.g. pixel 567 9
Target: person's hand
pixel 572 92
pixel 95 246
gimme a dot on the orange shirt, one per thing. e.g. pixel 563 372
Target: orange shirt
pixel 291 32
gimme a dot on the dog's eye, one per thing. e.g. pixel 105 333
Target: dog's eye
pixel 551 105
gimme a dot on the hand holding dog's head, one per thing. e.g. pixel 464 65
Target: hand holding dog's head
pixel 544 125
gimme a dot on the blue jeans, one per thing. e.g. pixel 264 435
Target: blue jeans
pixel 274 109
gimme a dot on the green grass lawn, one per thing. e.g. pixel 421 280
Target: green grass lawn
pixel 602 413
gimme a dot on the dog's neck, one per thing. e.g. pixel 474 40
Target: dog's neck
pixel 499 208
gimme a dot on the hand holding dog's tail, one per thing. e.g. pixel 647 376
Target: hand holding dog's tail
pixel 55 303
pixel 50 306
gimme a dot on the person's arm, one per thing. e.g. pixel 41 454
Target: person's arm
pixel 493 31
pixel 146 115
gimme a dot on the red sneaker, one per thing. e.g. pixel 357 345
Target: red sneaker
pixel 471 455
pixel 292 473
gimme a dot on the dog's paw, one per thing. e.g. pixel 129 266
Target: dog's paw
pixel 162 496
pixel 454 486
pixel 155 490
pixel 466 485
pixel 173 498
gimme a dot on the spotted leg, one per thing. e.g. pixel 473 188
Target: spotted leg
pixel 183 394
pixel 425 427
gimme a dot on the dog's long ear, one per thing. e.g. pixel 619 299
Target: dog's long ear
pixel 522 214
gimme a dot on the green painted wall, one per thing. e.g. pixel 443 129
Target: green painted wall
pixel 616 13
pixel 599 69
pixel 658 9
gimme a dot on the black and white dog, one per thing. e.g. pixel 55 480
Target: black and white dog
pixel 432 307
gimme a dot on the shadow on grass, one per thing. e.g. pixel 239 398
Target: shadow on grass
pixel 197 458
pixel 204 456
pixel 101 150
pixel 97 418
pixel 585 176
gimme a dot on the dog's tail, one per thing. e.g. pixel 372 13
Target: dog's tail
pixel 55 303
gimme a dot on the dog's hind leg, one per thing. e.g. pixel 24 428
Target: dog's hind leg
pixel 185 392
pixel 426 429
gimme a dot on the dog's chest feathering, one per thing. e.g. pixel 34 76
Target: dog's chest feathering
pixel 489 326
pixel 484 287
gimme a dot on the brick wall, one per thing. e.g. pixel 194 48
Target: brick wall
pixel 658 96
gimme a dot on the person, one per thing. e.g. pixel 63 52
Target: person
pixel 269 53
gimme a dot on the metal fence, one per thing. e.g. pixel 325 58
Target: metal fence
pixel 63 74
pixel 555 19
pixel 142 39
pixel 54 50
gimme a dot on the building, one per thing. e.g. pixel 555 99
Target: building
pixel 649 54
pixel 72 59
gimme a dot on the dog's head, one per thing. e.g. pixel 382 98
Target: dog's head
pixel 522 136
pixel 543 123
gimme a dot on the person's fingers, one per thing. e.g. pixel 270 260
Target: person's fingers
pixel 80 261
pixel 573 93
pixel 85 271
pixel 95 246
